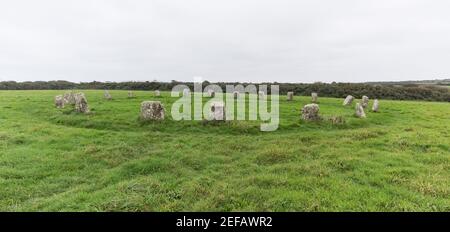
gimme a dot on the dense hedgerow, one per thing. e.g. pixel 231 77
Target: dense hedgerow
pixel 338 90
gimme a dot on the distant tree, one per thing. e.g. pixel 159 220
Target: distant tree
pixel 395 91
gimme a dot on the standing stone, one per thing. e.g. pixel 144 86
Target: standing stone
pixel 365 101
pixel 157 93
pixel 290 96
pixel 217 112
pixel 262 94
pixel 310 112
pixel 69 98
pixel 348 100
pixel 130 94
pixel 186 92
pixel 59 101
pixel 152 110
pixel 107 95
pixel 314 97
pixel 81 105
pixel 211 93
pixel 359 111
pixel 375 105
pixel 235 94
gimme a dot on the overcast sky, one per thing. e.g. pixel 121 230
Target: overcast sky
pixel 232 40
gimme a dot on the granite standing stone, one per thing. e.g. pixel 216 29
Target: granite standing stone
pixel 359 111
pixel 290 96
pixel 211 93
pixel 314 97
pixel 310 112
pixel 236 94
pixel 81 105
pixel 375 106
pixel 152 110
pixel 348 100
pixel 365 101
pixel 107 95
pixel 59 101
pixel 262 95
pixel 69 98
pixel 186 92
pixel 217 111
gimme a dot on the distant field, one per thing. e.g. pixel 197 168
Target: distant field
pixel 57 160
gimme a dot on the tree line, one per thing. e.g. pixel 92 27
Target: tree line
pixel 337 90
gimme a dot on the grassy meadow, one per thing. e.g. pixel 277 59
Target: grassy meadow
pixel 57 160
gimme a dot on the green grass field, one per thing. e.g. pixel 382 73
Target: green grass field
pixel 58 160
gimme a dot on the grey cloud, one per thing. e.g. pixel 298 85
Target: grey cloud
pixel 265 40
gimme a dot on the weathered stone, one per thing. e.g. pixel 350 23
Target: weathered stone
pixel 186 92
pixel 217 112
pixel 81 105
pixel 152 110
pixel 310 112
pixel 359 111
pixel 290 96
pixel 235 94
pixel 59 101
pixel 262 94
pixel 314 97
pixel 348 100
pixel 365 101
pixel 69 98
pixel 375 106
pixel 157 93
pixel 107 95
pixel 130 94
pixel 211 93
